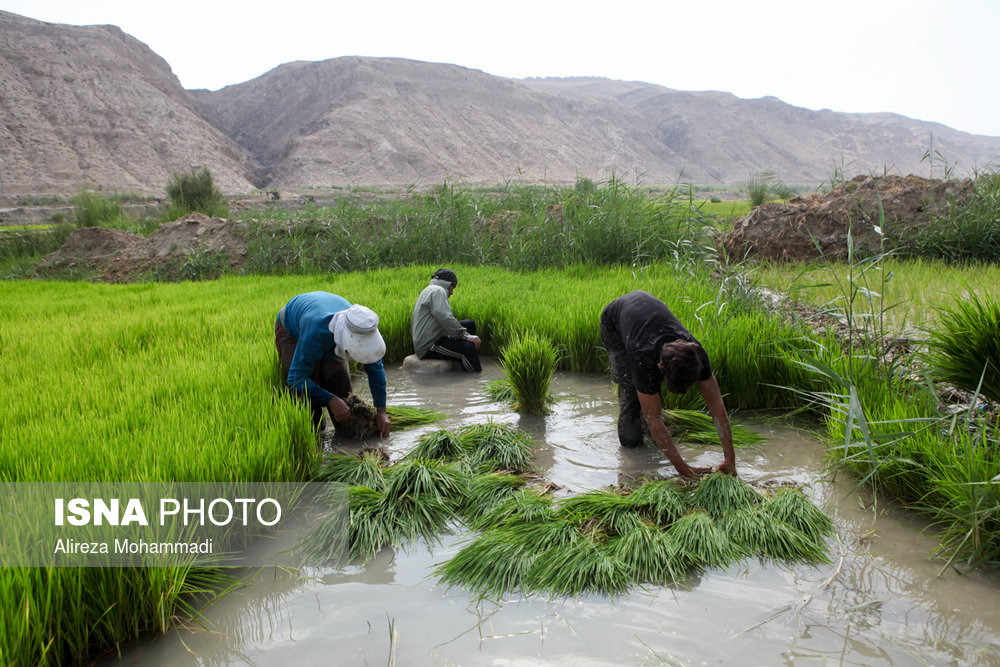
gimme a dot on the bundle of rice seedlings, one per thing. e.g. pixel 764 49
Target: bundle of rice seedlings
pixel 363 470
pixel 487 491
pixel 720 493
pixel 502 445
pixel 581 566
pixel 440 444
pixel 417 478
pixel 405 416
pixel 491 565
pixel 522 507
pixel 499 390
pixel 423 498
pixel 790 506
pixel 648 555
pixel 372 527
pixel 608 511
pixel 528 363
pixel 662 502
pixel 694 426
pixel 699 539
pixel 746 528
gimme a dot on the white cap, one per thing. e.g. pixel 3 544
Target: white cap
pixel 356 332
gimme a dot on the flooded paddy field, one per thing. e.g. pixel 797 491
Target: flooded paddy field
pixel 880 601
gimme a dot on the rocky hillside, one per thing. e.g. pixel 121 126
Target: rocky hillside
pixel 91 105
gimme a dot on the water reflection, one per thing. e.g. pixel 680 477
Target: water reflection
pixel 880 602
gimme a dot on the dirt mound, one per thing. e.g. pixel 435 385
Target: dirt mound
pixel 122 257
pixel 792 231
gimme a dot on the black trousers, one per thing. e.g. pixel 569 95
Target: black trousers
pixel 630 422
pixel 334 375
pixel 456 349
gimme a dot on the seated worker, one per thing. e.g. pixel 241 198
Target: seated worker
pixel 436 333
pixel 647 346
pixel 316 334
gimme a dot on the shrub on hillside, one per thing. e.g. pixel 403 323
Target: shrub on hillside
pixel 195 191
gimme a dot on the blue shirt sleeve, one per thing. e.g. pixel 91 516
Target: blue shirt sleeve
pixel 376 382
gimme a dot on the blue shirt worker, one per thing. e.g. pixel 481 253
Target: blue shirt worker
pixel 435 331
pixel 317 334
pixel 649 347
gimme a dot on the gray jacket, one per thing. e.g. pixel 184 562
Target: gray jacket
pixel 432 318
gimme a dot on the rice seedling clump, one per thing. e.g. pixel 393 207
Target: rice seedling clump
pixel 720 494
pixel 440 444
pixel 605 540
pixel 528 363
pixel 497 446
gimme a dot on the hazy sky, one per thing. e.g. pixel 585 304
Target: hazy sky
pixel 932 60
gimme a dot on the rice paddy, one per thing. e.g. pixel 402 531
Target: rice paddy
pixel 101 382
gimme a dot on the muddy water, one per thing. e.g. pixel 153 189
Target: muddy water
pixel 881 601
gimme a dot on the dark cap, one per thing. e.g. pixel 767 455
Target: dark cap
pixel 446 275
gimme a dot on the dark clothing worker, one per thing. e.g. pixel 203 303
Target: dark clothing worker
pixel 647 345
pixel 317 334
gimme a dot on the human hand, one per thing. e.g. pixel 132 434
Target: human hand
pixel 475 341
pixel 338 409
pixel 382 421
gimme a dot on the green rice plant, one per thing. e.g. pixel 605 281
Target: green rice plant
pixel 440 444
pixel 492 564
pixel 964 346
pixel 756 533
pixel 366 470
pixel 501 391
pixel 699 539
pixel 607 511
pixel 695 426
pixel 417 478
pixel 648 555
pixel 579 567
pixel 500 446
pixel 720 494
pixel 528 362
pixel 522 506
pixel 662 502
pixel 408 416
pixel 487 491
pixel 372 525
pixel 790 506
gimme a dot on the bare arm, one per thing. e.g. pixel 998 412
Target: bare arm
pixel 713 399
pixel 652 411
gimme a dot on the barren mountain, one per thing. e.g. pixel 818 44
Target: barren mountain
pixel 390 121
pixel 92 106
